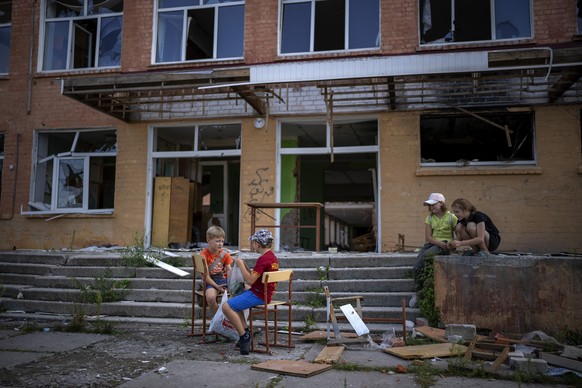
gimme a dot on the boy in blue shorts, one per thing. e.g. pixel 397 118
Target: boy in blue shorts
pixel 261 242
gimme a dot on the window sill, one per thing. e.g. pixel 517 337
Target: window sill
pixel 477 44
pixel 488 170
pixel 73 72
pixel 49 216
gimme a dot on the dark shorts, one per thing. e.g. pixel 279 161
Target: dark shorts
pixel 494 241
pixel 218 279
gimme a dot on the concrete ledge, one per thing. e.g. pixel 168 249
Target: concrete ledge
pixel 516 294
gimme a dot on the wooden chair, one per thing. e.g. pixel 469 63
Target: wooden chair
pixel 333 316
pixel 273 277
pixel 201 269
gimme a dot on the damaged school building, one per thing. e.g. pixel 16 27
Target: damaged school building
pixel 153 119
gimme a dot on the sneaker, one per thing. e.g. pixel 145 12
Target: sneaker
pixel 482 254
pixel 468 252
pixel 238 342
pixel 413 301
pixel 245 344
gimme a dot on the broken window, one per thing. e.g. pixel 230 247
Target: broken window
pixel 327 25
pixel 202 138
pixel 5 28
pixel 199 29
pixel 444 21
pixel 480 138
pixel 74 171
pixel 81 34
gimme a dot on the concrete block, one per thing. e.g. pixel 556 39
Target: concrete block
pixel 467 332
pixel 529 365
pixel 420 321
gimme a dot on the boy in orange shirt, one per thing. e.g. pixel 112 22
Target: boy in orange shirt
pixel 219 265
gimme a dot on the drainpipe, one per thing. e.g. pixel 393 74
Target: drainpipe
pixel 31 51
pixel 15 180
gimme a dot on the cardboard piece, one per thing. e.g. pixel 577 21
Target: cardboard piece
pixel 354 319
pixel 427 351
pixel 292 368
pixel 329 355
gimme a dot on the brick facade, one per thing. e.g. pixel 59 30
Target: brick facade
pixel 537 208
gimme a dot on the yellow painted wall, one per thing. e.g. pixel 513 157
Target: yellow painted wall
pixel 258 174
pixel 537 208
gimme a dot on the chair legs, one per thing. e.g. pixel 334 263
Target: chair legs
pixel 268 342
pixel 202 333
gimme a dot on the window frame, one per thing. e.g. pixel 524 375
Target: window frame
pixel 55 160
pixel 484 120
pixel 312 29
pixel 449 38
pixel 183 48
pixel 2 152
pixel 102 21
pixel 6 25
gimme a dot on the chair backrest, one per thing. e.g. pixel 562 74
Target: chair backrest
pixel 200 264
pixel 278 276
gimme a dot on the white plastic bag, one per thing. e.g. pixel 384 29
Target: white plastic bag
pixel 236 281
pixel 221 325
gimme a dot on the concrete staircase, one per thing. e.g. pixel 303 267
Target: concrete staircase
pixel 44 284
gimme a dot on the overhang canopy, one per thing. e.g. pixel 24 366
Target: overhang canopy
pixel 523 77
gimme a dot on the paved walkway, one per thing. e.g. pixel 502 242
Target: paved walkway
pixel 152 355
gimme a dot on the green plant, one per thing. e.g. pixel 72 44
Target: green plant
pixel 424 374
pixel 426 296
pixel 104 289
pixel 78 321
pixel 309 322
pixel 316 298
pixel 323 272
pixel 568 336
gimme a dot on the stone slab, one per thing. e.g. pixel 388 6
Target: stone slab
pixel 10 360
pixel 51 341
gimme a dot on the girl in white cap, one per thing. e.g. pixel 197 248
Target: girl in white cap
pixel 438 231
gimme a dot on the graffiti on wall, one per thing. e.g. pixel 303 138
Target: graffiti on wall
pixel 260 190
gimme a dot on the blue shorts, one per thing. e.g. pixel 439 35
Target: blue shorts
pixel 244 301
pixel 220 280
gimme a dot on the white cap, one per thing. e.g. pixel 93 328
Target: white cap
pixel 434 198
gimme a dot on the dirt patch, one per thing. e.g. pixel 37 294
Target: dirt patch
pixel 123 356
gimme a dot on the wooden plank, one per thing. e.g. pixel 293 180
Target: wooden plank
pixel 319 335
pixel 427 351
pixel 292 368
pixel 329 355
pixel 432 333
pixel 469 352
pixel 561 361
pixel 500 360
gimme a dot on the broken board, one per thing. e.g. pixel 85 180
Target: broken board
pixel 438 334
pixel 354 319
pixel 329 355
pixel 292 368
pixel 427 351
pixel 432 333
pixel 166 266
pixel 319 335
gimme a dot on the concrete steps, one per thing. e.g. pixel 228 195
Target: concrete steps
pixel 36 282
